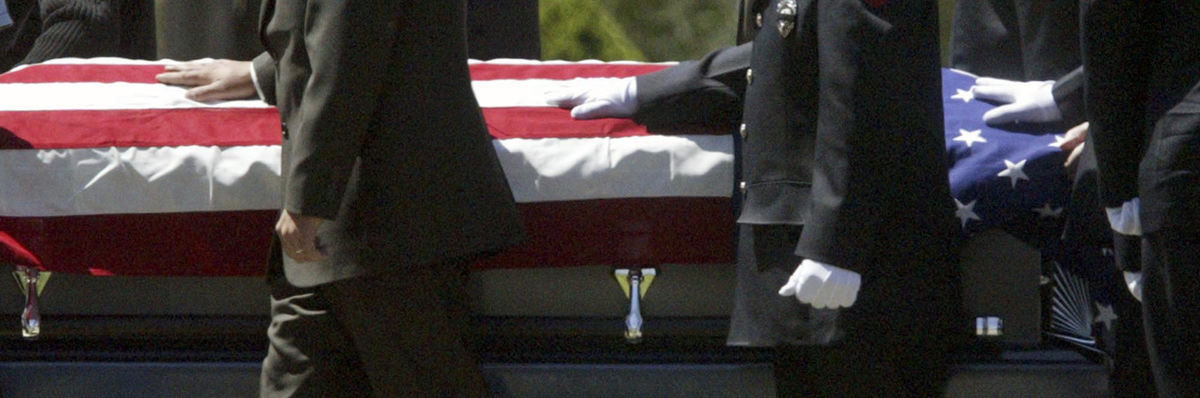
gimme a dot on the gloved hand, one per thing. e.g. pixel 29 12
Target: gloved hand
pixel 1125 219
pixel 823 285
pixel 1133 280
pixel 1025 102
pixel 596 98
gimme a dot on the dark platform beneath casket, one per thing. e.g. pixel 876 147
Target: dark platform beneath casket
pixel 1017 374
pixel 203 336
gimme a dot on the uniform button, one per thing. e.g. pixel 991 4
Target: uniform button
pixel 758 20
pixel 749 76
pixel 742 130
pixel 742 187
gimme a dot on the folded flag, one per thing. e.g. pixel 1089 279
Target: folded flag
pixel 1009 177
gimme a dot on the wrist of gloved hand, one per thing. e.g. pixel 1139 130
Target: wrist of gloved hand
pixel 1133 281
pixel 822 285
pixel 1125 219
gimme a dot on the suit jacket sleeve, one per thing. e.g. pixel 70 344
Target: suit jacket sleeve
pixel 707 91
pixel 346 43
pixel 263 69
pixel 1115 54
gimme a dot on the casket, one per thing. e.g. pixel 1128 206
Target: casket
pixel 146 205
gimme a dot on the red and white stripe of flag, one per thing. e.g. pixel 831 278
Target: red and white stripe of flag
pixel 103 170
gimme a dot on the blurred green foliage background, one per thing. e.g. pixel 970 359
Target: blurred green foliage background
pixel 647 30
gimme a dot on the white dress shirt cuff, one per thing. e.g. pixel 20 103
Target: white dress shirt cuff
pixel 253 78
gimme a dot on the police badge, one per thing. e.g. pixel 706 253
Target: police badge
pixel 787 16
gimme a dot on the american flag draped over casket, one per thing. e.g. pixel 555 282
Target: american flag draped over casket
pixel 103 171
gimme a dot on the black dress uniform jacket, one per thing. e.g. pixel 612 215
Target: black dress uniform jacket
pixel 841 153
pixel 841 130
pixel 1142 60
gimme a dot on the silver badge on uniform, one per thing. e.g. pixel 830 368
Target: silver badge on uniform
pixel 787 16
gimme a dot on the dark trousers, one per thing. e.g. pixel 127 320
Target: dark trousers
pixel 856 370
pixel 396 334
pixel 1169 187
pixel 896 341
pixel 1171 307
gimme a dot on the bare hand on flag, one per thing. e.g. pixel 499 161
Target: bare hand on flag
pixel 212 80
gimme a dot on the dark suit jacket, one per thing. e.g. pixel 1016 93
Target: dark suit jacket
pixel 1022 40
pixel 383 135
pixel 841 133
pixel 47 29
pixel 1142 58
pixel 1015 39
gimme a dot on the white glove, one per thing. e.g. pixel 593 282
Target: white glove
pixel 1025 102
pixel 596 98
pixel 1125 219
pixel 1133 280
pixel 823 285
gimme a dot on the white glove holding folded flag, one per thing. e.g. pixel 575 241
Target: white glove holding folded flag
pixel 1025 102
pixel 596 98
pixel 823 285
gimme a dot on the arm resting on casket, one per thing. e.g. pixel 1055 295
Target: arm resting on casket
pixel 213 80
pixel 223 79
pixel 614 97
pixel 704 92
pixel 707 91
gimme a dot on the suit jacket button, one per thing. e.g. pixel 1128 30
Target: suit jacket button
pixel 758 20
pixel 742 130
pixel 749 76
pixel 742 187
